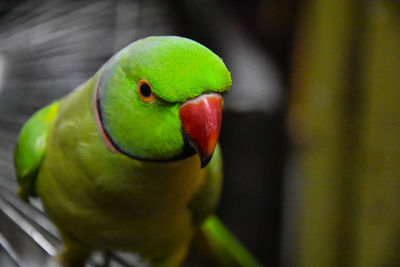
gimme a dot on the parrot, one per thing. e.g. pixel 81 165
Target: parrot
pixel 130 159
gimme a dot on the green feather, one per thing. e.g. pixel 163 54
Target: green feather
pixel 178 68
pixel 222 246
pixel 29 151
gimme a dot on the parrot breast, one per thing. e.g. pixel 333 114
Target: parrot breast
pixel 107 200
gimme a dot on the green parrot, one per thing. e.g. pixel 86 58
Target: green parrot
pixel 114 162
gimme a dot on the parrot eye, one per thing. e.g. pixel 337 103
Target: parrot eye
pixel 144 91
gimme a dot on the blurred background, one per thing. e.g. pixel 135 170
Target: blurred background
pixel 311 127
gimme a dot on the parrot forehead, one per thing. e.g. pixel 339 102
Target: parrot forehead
pixel 177 68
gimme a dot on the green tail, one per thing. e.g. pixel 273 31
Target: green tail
pixel 221 246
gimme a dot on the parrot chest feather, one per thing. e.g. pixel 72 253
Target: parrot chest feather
pixel 107 200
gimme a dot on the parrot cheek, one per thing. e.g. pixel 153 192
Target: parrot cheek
pixel 201 122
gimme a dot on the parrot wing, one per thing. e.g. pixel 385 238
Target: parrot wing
pixel 30 148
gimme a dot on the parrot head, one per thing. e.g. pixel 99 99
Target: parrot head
pixel 160 99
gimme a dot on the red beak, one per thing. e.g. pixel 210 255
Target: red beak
pixel 201 121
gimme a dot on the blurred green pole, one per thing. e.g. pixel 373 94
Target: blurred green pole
pixel 320 85
pixel 377 231
pixel 345 117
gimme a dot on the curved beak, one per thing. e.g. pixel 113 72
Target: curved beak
pixel 201 122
